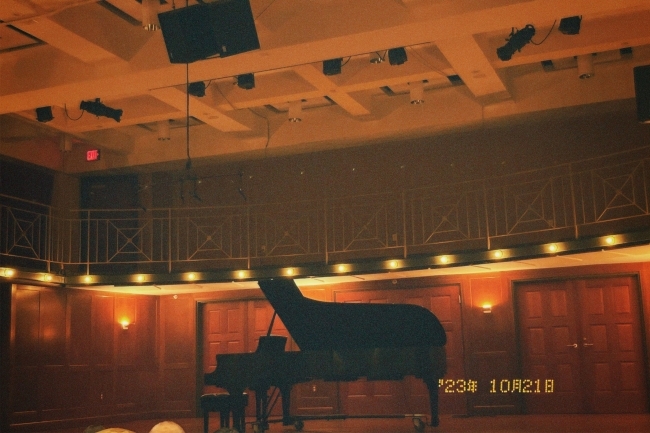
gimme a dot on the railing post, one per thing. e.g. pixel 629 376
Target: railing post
pixel 48 243
pixel 404 223
pixel 169 240
pixel 87 242
pixel 573 203
pixel 325 231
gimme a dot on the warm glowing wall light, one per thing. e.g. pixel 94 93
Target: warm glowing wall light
pixel 289 271
pixel 47 278
pixel 610 240
pixel 88 279
pixel 241 274
pixel 125 323
pixel 9 272
pixel 393 264
pixel 191 276
pixel 552 248
pixel 444 259
pixel 139 278
pixel 497 254
pixel 486 308
pixel 341 268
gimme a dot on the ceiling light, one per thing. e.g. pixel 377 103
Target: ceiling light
pixel 150 15
pixel 44 114
pixel 416 90
pixel 332 66
pixel 246 81
pixel 196 89
pixel 585 66
pixel 570 25
pixel 517 40
pixel 163 130
pixel 98 109
pixel 397 56
pixel 295 111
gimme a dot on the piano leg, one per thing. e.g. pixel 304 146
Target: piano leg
pixel 262 408
pixel 432 385
pixel 285 392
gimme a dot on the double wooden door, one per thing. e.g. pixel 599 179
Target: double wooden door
pixel 585 336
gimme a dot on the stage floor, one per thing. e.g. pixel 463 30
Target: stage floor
pixel 448 424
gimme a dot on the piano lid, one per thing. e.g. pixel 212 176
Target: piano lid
pixel 317 325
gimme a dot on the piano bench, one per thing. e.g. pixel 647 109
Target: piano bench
pixel 225 403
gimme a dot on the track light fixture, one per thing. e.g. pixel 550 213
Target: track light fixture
pixel 585 66
pixel 150 15
pixel 397 56
pixel 246 81
pixel 196 89
pixel 332 66
pixel 416 91
pixel 98 109
pixel 44 114
pixel 570 25
pixel 295 111
pixel 517 40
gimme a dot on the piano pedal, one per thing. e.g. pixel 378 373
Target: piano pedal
pixel 419 424
pixel 299 425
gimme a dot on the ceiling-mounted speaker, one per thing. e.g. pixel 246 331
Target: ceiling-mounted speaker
pixel 642 92
pixel 223 28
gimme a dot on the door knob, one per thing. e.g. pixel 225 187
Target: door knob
pixel 572 345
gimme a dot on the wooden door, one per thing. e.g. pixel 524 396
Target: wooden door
pixel 585 335
pixel 612 348
pixel 224 331
pixel 444 302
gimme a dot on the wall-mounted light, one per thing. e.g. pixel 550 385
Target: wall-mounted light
pixel 486 308
pixel 444 259
pixel 8 272
pixel 125 324
pixel 88 279
pixel 140 278
pixel 610 240
pixel 393 264
pixel 290 272
pixel 341 268
pixel 47 278
pixel 241 274
pixel 552 248
pixel 191 276
pixel 497 254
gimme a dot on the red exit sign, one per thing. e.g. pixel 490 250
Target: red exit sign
pixel 92 155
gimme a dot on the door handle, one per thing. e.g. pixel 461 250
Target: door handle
pixel 587 344
pixel 575 345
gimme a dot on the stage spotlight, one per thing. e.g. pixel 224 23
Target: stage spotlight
pixel 98 109
pixel 517 40
pixel 196 89
pixel 332 66
pixel 246 81
pixel 44 114
pixel 570 25
pixel 397 56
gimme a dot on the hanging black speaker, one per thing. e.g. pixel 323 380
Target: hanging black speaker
pixel 223 28
pixel 642 92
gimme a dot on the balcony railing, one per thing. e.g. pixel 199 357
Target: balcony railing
pixel 564 202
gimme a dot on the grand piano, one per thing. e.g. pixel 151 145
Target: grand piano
pixel 338 342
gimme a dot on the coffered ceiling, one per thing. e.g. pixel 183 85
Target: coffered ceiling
pixel 57 53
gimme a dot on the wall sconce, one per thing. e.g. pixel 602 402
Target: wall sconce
pixel 125 324
pixel 486 308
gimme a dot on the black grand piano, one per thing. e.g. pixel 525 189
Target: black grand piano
pixel 338 342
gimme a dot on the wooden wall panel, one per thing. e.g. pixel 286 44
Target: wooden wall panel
pixel 26 348
pixel 80 328
pixel 103 330
pixel 177 315
pixel 53 327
